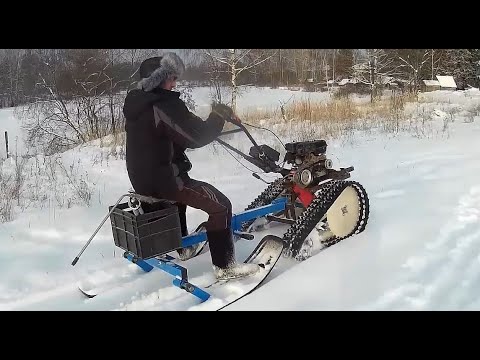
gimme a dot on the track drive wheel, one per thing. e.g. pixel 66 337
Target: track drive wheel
pixel 344 214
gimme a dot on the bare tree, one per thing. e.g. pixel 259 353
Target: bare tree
pixel 344 62
pixel 325 67
pixel 413 61
pixel 435 59
pixel 135 57
pixel 81 101
pixel 234 62
pixel 11 74
pixel 378 66
pixel 51 123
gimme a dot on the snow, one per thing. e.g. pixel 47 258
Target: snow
pixel 420 250
pixel 431 82
pixel 446 81
pixel 258 99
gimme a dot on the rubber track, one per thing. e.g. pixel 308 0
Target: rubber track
pixel 266 197
pixel 325 197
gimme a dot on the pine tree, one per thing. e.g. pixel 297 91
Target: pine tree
pixel 460 63
pixel 344 62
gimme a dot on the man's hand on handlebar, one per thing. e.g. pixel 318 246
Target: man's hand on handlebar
pixel 226 113
pixel 235 119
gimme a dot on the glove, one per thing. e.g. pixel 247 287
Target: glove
pixel 223 111
pixel 184 164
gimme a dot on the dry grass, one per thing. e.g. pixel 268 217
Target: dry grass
pixel 11 185
pixel 115 145
pixel 39 182
pixel 337 117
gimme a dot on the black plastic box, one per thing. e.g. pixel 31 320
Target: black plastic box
pixel 147 235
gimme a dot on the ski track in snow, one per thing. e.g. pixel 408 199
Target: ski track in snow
pixel 389 193
pixel 449 268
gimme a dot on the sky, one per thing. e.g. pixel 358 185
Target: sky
pixel 420 250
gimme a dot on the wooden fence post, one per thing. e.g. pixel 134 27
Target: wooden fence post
pixel 6 141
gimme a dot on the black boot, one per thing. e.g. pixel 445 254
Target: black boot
pixel 221 246
pixel 185 253
pixel 182 213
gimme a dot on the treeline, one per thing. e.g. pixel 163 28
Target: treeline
pixel 295 66
pixel 276 67
pixel 75 95
pixel 27 75
pixel 31 74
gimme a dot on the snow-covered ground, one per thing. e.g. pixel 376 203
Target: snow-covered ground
pixel 257 99
pixel 420 250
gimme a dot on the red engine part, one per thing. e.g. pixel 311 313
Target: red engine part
pixel 305 196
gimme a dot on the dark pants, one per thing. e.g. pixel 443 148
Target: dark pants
pixel 203 196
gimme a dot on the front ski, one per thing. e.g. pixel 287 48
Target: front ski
pixel 226 292
pixel 223 292
pixel 101 281
pixel 92 291
pixel 89 293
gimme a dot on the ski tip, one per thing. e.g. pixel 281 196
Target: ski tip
pixel 272 239
pixel 87 294
pixel 269 244
pixel 75 261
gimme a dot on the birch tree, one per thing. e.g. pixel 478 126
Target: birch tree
pixel 234 62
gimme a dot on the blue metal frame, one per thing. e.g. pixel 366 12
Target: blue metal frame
pixel 173 269
pixel 238 219
pixel 166 264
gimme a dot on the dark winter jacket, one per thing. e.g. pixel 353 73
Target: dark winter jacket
pixel 159 128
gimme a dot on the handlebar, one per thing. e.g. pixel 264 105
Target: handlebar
pixel 262 162
pixel 244 129
pixel 228 132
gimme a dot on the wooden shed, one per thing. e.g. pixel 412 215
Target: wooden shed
pixel 430 85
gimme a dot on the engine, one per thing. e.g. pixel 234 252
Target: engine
pixel 310 165
pixel 300 152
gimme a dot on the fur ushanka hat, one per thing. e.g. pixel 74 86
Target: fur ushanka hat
pixel 154 71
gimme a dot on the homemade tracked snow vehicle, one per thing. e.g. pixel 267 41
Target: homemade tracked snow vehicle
pixel 317 196
pixel 310 196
